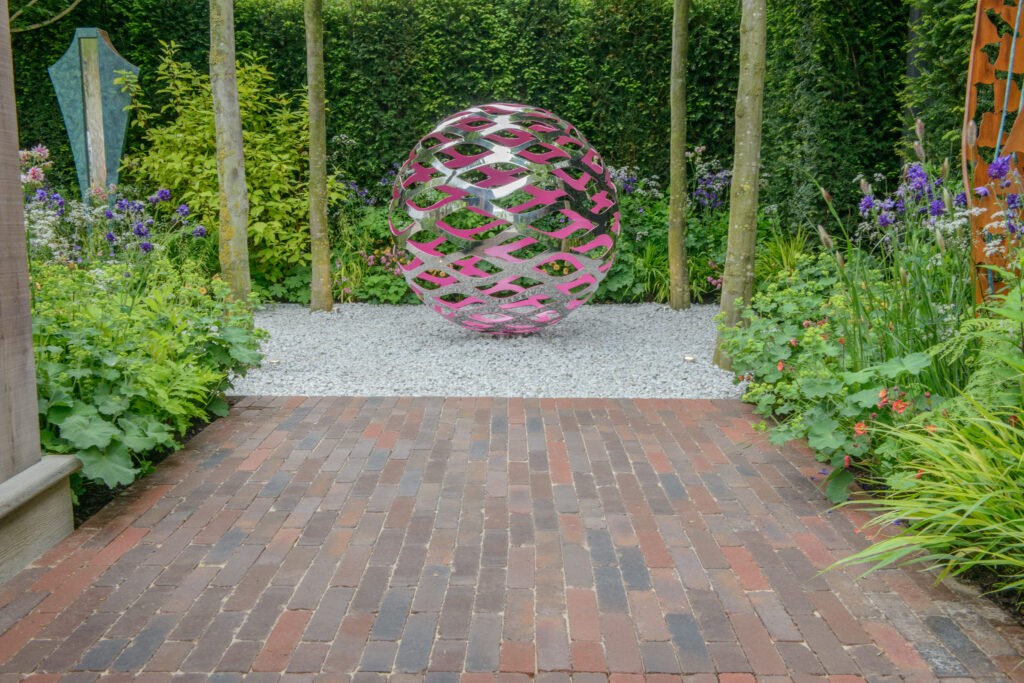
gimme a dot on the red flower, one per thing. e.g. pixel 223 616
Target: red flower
pixel 846 461
pixel 930 428
pixel 898 407
pixel 781 366
pixel 918 475
pixel 860 429
pixel 792 342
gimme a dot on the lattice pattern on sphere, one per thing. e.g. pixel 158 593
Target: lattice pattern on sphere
pixel 509 216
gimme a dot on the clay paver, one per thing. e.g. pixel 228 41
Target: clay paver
pixel 430 539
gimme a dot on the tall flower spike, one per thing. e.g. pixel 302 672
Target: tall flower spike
pixel 865 186
pixel 826 241
pixel 827 196
pixel 940 241
pixel 904 276
pixel 972 133
pixel 945 170
pixel 919 129
pixel 919 150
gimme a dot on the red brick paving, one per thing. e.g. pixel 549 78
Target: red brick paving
pixel 485 541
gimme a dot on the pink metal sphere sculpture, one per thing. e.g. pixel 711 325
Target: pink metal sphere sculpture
pixel 509 216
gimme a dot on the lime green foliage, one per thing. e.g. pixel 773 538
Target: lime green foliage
pixel 134 341
pixel 121 373
pixel 956 492
pixel 180 155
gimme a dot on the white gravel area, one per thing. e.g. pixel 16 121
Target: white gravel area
pixel 600 351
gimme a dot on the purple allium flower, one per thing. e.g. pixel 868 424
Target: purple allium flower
pixel 937 207
pixel 149 222
pixel 1012 227
pixel 153 199
pixel 885 219
pixel 901 207
pixel 1013 201
pixel 163 194
pixel 960 199
pixel 982 191
pixel 108 214
pixel 200 231
pixel 183 210
pixel 111 237
pixel 866 204
pixel 141 230
pixel 40 196
pixel 1000 167
pixel 121 205
pixel 146 247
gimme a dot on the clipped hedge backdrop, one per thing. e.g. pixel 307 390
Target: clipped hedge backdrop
pixel 394 67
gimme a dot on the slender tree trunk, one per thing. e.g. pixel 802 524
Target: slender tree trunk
pixel 19 420
pixel 679 281
pixel 234 195
pixel 320 298
pixel 738 278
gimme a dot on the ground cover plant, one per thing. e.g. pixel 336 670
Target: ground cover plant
pixel 134 340
pixel 872 349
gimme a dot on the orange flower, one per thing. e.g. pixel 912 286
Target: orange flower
pixel 841 340
pixel 898 407
pixel 918 475
pixel 781 366
pixel 883 393
pixel 846 461
pixel 860 429
pixel 930 428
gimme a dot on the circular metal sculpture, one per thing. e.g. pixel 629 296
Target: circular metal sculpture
pixel 509 216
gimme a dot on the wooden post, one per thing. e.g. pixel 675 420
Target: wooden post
pixel 35 500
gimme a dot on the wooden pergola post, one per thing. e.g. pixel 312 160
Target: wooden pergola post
pixel 35 499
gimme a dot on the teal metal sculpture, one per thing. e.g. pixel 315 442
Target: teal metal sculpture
pixel 93 105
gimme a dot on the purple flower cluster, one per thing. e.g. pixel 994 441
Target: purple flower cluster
pixel 710 192
pixel 51 199
pixel 919 191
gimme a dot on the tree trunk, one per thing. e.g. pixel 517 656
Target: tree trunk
pixel 19 419
pixel 234 195
pixel 320 298
pixel 738 278
pixel 679 281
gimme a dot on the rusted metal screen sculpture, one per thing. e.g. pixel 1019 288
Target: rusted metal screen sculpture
pixel 993 138
pixel 509 216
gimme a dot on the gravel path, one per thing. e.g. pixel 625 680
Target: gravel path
pixel 600 351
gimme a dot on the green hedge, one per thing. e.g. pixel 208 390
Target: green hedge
pixel 394 67
pixel 941 47
pixel 831 99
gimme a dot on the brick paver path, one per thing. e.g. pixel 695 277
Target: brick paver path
pixel 428 538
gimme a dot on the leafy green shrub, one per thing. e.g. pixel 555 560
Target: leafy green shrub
pixel 180 155
pixel 847 339
pixel 133 341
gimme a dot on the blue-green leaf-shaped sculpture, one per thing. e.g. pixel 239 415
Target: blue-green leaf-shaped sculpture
pixel 94 107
